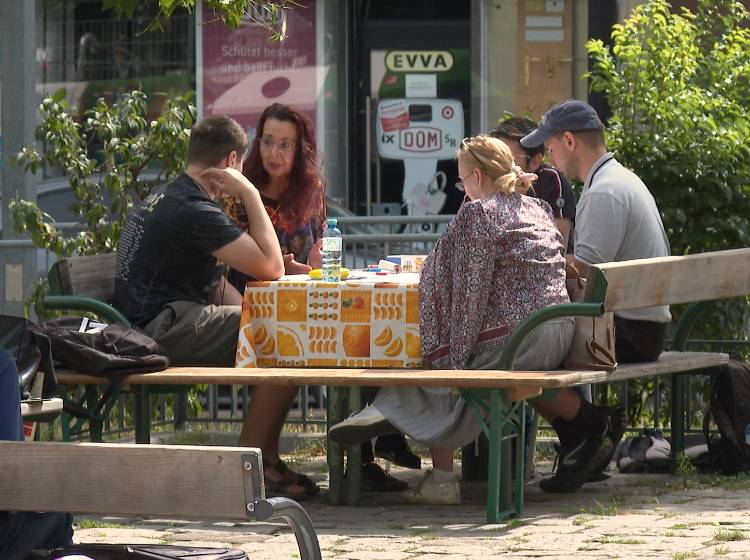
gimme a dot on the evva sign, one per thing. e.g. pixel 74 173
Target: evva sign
pixel 419 61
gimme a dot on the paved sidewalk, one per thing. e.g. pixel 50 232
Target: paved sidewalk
pixel 628 516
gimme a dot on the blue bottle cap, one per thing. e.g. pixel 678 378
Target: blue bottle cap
pixel 332 222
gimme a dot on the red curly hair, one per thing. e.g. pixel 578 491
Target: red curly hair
pixel 306 193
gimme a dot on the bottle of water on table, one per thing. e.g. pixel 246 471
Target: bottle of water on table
pixel 332 245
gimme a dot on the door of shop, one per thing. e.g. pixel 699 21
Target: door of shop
pixel 411 100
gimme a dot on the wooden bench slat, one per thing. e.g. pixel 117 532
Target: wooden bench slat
pixel 351 377
pixel 470 379
pixel 672 280
pixel 124 479
pixel 669 362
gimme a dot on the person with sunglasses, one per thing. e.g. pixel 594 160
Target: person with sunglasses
pixel 551 185
pixel 481 279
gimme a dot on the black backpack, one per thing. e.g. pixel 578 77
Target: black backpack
pixel 95 348
pixel 29 347
pixel 142 551
pixel 729 407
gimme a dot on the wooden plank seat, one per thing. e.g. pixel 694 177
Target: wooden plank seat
pixel 193 482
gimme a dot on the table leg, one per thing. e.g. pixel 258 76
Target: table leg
pixel 336 412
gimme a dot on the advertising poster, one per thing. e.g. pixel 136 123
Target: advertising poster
pixel 421 114
pixel 241 71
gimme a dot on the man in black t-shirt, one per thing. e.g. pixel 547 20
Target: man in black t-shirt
pixel 166 279
pixel 551 186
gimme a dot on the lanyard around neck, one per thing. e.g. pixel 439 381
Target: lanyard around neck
pixel 598 168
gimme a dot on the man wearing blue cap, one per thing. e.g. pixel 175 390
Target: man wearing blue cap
pixel 616 220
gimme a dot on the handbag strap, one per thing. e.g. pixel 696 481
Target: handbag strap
pixel 601 355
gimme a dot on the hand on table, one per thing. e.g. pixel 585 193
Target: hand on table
pixel 293 267
pixel 315 258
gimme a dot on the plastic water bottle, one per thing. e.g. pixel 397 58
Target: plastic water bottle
pixel 332 245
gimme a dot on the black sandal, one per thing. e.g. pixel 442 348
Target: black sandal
pixel 305 481
pixel 282 488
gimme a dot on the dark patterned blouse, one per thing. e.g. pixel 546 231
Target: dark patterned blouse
pixel 294 238
pixel 499 260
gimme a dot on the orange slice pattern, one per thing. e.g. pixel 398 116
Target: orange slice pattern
pixel 356 340
pixel 292 306
pixel 289 343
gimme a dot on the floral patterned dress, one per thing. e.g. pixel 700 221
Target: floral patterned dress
pixel 499 260
pixel 294 238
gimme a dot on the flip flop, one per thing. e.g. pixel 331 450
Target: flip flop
pixel 310 487
pixel 282 488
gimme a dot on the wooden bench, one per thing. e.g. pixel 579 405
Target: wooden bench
pixel 500 394
pixel 193 482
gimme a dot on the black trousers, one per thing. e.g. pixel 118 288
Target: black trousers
pixel 638 341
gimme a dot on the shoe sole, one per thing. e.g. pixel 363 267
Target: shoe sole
pixel 355 434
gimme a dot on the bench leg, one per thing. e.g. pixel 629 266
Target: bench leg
pixel 520 455
pixel 95 422
pixel 142 414
pixel 678 420
pixel 180 412
pixel 502 428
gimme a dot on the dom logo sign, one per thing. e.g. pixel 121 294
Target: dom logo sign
pixel 421 139
pixel 419 61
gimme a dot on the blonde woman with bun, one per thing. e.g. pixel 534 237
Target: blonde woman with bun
pixel 499 260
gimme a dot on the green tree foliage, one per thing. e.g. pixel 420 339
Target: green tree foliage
pixel 677 84
pixel 266 13
pixel 103 157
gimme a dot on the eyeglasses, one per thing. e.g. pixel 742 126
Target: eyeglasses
pixel 460 182
pixel 284 146
pixel 518 158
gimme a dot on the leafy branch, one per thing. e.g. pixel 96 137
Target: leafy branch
pixel 268 14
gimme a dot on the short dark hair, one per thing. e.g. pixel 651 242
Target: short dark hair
pixel 213 138
pixel 515 128
pixel 592 138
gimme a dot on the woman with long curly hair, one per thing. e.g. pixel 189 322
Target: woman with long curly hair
pixel 285 167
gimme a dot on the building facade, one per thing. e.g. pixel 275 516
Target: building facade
pixel 392 86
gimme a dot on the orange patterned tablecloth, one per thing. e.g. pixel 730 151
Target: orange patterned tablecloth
pixel 356 323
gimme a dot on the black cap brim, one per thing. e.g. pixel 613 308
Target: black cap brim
pixel 537 138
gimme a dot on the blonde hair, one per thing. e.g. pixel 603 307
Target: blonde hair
pixel 494 158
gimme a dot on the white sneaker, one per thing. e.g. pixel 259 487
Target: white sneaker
pixel 361 426
pixel 430 491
